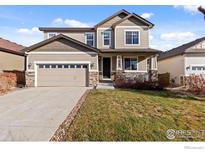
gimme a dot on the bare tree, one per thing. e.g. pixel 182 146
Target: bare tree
pixel 202 10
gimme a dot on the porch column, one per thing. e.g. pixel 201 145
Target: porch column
pixel 119 63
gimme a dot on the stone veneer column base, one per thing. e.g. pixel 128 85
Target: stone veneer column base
pixel 93 78
pixel 30 79
pixel 153 75
pixel 140 76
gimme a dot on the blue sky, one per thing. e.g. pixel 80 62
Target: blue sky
pixel 174 25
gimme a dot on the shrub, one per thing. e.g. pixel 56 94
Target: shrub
pixel 195 83
pixel 121 82
pixel 7 81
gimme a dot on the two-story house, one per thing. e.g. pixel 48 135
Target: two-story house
pixel 84 56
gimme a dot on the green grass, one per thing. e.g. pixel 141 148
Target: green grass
pixel 129 115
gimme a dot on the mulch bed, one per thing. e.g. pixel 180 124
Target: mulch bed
pixel 60 134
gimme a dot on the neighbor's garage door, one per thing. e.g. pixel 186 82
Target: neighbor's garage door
pixel 61 75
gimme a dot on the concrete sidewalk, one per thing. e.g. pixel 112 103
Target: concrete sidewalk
pixel 34 114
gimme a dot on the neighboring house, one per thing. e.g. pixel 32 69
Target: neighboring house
pixel 119 45
pixel 11 56
pixel 183 61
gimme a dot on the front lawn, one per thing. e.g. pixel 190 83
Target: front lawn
pixel 129 115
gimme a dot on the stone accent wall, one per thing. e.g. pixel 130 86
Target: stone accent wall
pixel 30 77
pixel 93 78
pixel 153 75
pixel 140 76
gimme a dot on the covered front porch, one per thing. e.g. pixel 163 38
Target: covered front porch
pixel 129 64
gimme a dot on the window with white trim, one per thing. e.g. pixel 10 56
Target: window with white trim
pixel 89 37
pixel 130 63
pixel 131 37
pixel 107 38
pixel 51 35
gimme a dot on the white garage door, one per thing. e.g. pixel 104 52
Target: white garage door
pixel 65 75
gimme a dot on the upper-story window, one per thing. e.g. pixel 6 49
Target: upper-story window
pixel 107 38
pixel 90 39
pixel 132 37
pixel 51 35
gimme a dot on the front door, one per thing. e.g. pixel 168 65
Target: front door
pixel 106 68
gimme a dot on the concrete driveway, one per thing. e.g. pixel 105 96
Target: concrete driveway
pixel 34 114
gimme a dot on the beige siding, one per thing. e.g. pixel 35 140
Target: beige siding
pixel 120 37
pixel 131 22
pixel 61 57
pixel 11 62
pixel 110 22
pixel 173 65
pixel 100 38
pixel 61 45
pixel 80 36
pixel 142 63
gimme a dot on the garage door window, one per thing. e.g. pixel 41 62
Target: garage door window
pixel 72 66
pixel 65 66
pixel 53 66
pixel 60 66
pixel 78 66
pixel 41 66
pixel 84 66
pixel 47 66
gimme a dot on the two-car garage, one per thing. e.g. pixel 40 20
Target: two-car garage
pixel 61 61
pixel 66 75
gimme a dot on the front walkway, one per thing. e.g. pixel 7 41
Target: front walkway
pixel 34 114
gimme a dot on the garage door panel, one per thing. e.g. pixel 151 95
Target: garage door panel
pixel 58 73
pixel 61 84
pixel 61 76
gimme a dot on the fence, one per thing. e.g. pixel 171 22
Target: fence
pixel 20 76
pixel 164 79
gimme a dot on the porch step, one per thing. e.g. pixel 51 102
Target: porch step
pixel 105 85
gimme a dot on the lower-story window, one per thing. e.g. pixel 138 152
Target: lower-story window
pixel 130 63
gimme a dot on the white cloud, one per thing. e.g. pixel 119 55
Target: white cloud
pixel 178 36
pixel 70 22
pixel 192 9
pixel 147 15
pixel 58 21
pixel 27 31
pixel 75 23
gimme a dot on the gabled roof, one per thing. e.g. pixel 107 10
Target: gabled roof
pixel 112 16
pixel 42 43
pixel 58 29
pixel 11 47
pixel 146 22
pixel 180 50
